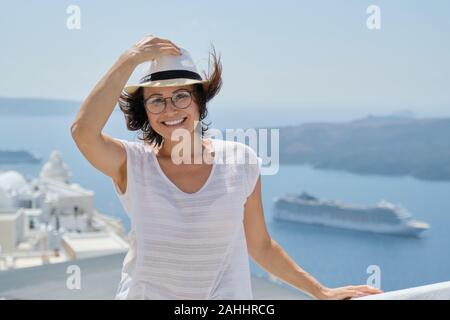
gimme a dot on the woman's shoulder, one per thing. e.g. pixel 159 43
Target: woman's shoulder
pixel 135 146
pixel 238 150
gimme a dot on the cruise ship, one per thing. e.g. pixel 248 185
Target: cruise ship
pixel 384 217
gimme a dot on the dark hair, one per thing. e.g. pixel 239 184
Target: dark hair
pixel 132 105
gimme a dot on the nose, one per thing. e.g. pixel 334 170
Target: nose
pixel 169 105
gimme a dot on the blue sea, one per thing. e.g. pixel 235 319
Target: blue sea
pixel 335 257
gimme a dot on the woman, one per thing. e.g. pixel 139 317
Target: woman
pixel 192 224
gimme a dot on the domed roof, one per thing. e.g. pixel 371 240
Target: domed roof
pixel 55 168
pixel 11 180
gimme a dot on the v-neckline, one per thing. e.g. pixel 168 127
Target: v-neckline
pixel 171 183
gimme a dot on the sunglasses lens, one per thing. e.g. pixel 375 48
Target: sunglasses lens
pixel 182 99
pixel 155 105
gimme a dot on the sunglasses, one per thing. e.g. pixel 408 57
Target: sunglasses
pixel 156 103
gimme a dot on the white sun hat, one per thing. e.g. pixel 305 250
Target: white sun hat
pixel 169 71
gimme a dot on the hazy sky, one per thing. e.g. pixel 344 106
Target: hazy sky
pixel 274 53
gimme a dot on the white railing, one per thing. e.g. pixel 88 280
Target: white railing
pixel 436 291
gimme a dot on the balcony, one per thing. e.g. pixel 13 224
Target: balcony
pixel 100 277
pixel 99 280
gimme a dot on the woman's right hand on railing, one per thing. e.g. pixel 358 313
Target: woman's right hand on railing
pixel 150 48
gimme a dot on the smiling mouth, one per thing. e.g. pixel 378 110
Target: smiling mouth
pixel 174 123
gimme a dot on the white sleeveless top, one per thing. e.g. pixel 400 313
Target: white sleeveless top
pixel 187 245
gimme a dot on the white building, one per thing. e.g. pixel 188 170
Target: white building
pixel 43 217
pixel 12 229
pixel 93 244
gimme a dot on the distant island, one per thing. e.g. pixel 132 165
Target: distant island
pixel 18 156
pixel 40 107
pixel 37 107
pixel 393 145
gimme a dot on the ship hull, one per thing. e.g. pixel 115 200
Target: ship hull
pixel 405 228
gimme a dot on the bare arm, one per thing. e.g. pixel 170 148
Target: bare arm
pixel 99 149
pixel 104 153
pixel 271 256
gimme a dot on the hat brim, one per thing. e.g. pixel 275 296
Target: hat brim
pixel 130 89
